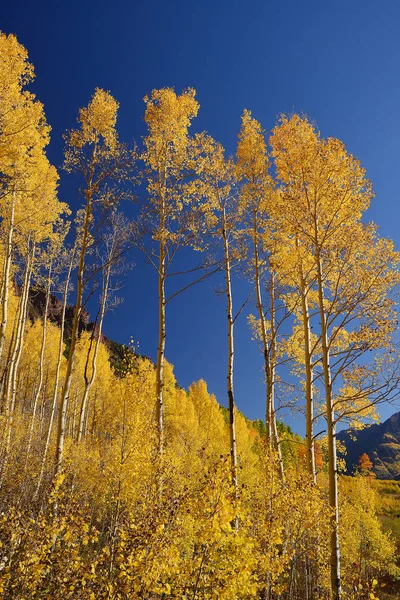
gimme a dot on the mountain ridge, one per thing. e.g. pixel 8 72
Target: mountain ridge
pixel 381 441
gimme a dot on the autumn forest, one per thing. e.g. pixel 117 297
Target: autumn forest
pixel 115 482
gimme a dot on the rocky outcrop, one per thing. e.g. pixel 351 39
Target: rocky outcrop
pixel 37 303
pixel 382 444
pixel 36 308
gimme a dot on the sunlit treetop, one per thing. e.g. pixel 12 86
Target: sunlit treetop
pixel 15 70
pixel 168 117
pixel 323 184
pixel 97 122
pixel 23 127
pixel 252 156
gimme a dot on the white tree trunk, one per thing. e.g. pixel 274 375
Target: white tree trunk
pixel 309 378
pixel 41 370
pixel 332 455
pixel 10 390
pixel 161 352
pixel 230 323
pixel 264 338
pixel 6 278
pixel 276 437
pixel 56 383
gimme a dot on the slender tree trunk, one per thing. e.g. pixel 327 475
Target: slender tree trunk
pixel 161 329
pixel 57 381
pixel 268 419
pixel 10 391
pixel 62 415
pixel 21 330
pixel 7 362
pixel 309 377
pixel 161 353
pixel 275 432
pixel 330 417
pixel 90 381
pixel 94 418
pixel 72 424
pixel 231 398
pixel 308 389
pixel 42 412
pixel 6 277
pixel 41 369
pixel 115 525
pixel 272 433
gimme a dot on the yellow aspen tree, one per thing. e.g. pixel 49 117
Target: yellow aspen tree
pixel 93 150
pixel 114 245
pixel 362 318
pixel 69 262
pixel 48 260
pixel 166 223
pixel 222 216
pixel 324 195
pixel 35 226
pixel 308 367
pixel 256 195
pixel 297 274
pixel 23 135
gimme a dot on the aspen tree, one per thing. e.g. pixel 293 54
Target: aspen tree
pixel 256 195
pixel 167 217
pixel 50 257
pixel 115 240
pixel 297 273
pixel 291 167
pixel 40 212
pixel 222 215
pixel 70 262
pixel 325 193
pixel 93 150
pixel 309 371
pixel 36 225
pixel 24 134
pixel 252 167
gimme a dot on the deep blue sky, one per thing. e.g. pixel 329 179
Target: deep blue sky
pixel 338 62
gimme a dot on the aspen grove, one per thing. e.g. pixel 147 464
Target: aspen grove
pixel 115 482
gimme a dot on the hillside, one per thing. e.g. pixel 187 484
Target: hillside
pixel 382 444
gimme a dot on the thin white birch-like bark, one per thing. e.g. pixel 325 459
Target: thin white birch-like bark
pixel 332 454
pixel 56 382
pixel 6 277
pixel 10 391
pixel 41 368
pixel 230 324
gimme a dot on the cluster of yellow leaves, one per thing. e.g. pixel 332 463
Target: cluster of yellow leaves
pixel 365 548
pixel 29 198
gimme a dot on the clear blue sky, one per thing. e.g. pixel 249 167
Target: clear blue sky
pixel 338 62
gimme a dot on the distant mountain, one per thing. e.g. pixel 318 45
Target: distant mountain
pixel 382 444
